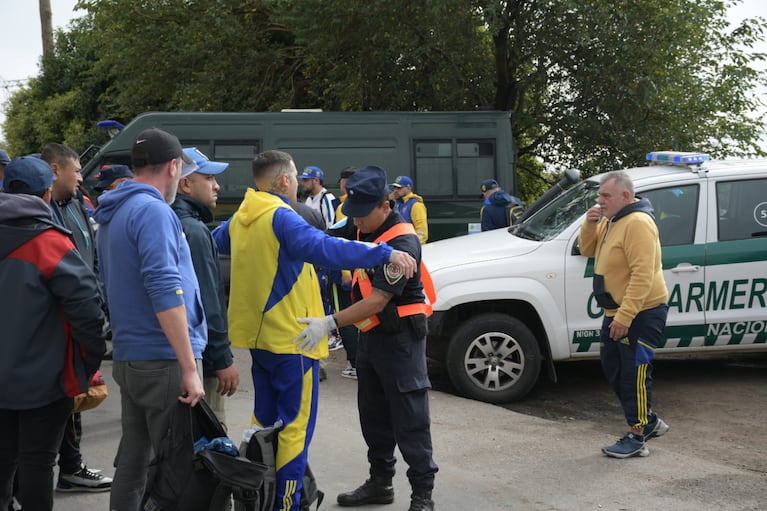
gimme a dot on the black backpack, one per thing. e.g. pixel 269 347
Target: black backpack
pixel 182 480
pixel 262 449
pixel 515 210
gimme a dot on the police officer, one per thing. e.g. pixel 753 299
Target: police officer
pixel 390 310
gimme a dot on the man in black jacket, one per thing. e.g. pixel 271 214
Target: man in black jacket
pixel 195 200
pixel 51 307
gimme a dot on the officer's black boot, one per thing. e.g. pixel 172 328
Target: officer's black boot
pixel 376 490
pixel 421 501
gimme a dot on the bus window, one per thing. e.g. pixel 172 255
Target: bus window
pixel 475 162
pixel 433 168
pixel 453 168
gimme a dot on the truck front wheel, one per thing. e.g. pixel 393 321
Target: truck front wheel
pixel 493 358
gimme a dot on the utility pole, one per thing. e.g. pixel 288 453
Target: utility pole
pixel 46 25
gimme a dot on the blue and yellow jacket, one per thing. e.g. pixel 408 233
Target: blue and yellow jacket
pixel 272 283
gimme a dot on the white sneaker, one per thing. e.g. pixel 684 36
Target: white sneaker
pixel 349 372
pixel 335 343
pixel 84 480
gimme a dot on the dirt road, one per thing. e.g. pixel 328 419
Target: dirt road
pixel 719 404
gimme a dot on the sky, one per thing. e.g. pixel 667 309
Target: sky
pixel 21 46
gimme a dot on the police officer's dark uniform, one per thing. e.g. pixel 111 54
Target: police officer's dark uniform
pixel 391 370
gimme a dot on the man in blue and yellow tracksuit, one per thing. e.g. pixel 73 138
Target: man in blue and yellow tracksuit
pixel 272 285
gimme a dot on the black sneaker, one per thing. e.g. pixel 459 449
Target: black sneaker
pixel 376 490
pixel 83 480
pixel 421 503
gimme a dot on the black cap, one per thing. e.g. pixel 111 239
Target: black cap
pixel 365 190
pixel 347 172
pixel 154 146
pixel 109 174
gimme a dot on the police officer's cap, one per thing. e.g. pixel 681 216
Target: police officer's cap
pixel 365 190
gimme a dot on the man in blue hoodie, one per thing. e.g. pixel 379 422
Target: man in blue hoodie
pixel 499 208
pixel 158 325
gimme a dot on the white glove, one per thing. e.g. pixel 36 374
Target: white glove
pixel 316 329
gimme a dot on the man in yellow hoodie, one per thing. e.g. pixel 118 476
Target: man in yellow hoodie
pixel 620 233
pixel 273 284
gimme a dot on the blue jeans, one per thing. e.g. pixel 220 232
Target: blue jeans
pixel 31 440
pixel 149 389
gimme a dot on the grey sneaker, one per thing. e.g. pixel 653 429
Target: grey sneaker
pixel 655 429
pixel 627 447
pixel 83 480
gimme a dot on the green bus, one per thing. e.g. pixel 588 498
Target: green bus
pixel 446 154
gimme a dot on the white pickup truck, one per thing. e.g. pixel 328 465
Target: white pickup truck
pixel 512 301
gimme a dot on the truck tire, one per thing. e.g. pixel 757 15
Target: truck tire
pixel 493 358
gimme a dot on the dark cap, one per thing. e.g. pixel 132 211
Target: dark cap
pixel 347 172
pixel 4 159
pixel 488 184
pixel 33 174
pixel 108 174
pixel 365 190
pixel 402 181
pixel 154 146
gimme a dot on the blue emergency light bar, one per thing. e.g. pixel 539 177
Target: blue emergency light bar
pixel 677 157
pixel 112 127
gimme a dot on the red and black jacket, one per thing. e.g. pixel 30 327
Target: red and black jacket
pixel 50 308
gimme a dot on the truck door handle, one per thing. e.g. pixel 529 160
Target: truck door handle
pixel 685 268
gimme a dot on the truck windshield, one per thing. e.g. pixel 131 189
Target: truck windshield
pixel 558 214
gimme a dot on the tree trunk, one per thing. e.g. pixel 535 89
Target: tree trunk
pixel 46 24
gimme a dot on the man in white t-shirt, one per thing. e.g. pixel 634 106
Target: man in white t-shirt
pixel 319 197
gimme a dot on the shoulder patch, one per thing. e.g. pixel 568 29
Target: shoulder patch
pixel 393 273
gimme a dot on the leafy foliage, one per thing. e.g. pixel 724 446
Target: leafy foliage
pixel 591 84
pixel 391 54
pixel 595 84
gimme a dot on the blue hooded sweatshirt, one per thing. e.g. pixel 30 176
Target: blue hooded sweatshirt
pixel 146 267
pixel 495 211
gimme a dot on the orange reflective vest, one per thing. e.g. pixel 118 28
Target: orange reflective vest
pixel 362 279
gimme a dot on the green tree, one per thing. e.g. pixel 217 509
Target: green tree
pixel 59 105
pixel 391 54
pixel 191 55
pixel 591 84
pixel 595 85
